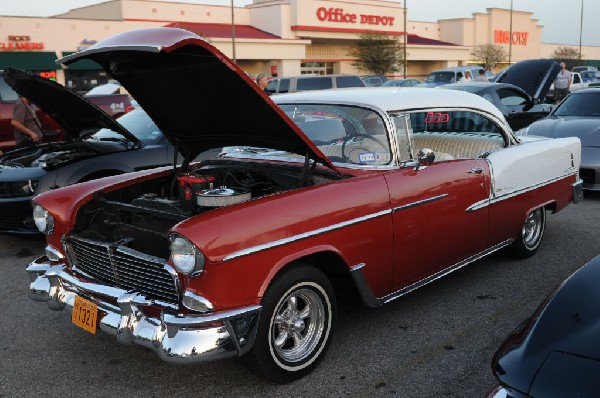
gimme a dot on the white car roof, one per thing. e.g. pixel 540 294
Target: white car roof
pixel 391 99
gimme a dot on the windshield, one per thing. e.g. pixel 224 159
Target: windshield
pixel 463 87
pixel 579 104
pixel 446 77
pixel 345 134
pixel 588 74
pixel 138 123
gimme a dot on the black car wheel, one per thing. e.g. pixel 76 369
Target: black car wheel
pixel 295 325
pixel 531 234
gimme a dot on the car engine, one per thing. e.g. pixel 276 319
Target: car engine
pixel 141 215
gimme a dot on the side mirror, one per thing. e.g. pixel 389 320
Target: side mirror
pixel 425 158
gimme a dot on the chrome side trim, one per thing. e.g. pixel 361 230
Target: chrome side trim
pixel 320 231
pixel 445 272
pixel 370 300
pixel 305 235
pixel 418 203
pixel 489 201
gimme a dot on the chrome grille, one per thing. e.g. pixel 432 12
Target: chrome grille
pixel 122 267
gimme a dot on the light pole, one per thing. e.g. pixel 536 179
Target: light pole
pixel 580 30
pixel 233 33
pixel 509 34
pixel 406 40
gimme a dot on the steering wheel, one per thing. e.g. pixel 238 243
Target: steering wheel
pixel 346 157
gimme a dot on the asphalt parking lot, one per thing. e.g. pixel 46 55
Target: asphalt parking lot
pixel 436 342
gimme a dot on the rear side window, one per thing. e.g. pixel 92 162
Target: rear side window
pixel 349 81
pixel 8 94
pixel 453 122
pixel 284 85
pixel 314 83
pixel 272 86
pixel 509 97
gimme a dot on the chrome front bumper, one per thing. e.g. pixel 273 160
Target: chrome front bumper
pixel 578 191
pixel 175 338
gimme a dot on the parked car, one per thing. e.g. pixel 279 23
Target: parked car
pixel 449 75
pixel 520 94
pixel 589 76
pixel 95 146
pixel 401 83
pixel 282 85
pixel 582 68
pixel 115 105
pixel 578 115
pixel 327 191
pixel 555 352
pixel 374 80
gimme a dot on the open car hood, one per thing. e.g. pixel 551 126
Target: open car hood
pixel 196 95
pixel 69 109
pixel 535 76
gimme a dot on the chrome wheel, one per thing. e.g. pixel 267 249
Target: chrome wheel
pixel 533 229
pixel 295 326
pixel 530 235
pixel 298 323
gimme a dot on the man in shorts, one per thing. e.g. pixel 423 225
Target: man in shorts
pixel 562 83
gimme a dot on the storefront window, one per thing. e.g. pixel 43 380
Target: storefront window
pixel 82 81
pixel 320 68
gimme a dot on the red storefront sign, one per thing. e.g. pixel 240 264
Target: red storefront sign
pixel 16 43
pixel 503 37
pixel 338 15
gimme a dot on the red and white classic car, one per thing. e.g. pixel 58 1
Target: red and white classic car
pixel 376 190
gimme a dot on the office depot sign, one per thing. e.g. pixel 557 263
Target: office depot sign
pixel 338 15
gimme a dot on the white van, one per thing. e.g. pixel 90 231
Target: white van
pixel 281 85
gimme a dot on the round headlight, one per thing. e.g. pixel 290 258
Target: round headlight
pixel 186 258
pixel 43 220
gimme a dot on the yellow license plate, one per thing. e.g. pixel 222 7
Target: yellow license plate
pixel 85 314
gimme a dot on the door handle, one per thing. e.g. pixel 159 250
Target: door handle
pixel 475 170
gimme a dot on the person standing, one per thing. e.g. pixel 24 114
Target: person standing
pixel 466 78
pixel 481 77
pixel 263 82
pixel 26 125
pixel 562 83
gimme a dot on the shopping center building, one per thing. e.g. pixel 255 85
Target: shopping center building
pixel 275 37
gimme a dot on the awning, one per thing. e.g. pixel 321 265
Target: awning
pixel 84 64
pixel 29 60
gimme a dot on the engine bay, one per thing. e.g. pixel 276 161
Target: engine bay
pixel 140 215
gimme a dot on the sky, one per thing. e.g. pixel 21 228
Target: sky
pixel 561 18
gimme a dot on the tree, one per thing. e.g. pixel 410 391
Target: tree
pixel 377 53
pixel 566 53
pixel 488 54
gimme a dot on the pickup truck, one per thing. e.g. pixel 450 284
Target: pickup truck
pixel 576 84
pixel 113 104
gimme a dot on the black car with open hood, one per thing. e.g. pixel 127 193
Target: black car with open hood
pixel 534 76
pixel 518 91
pixel 74 114
pixel 96 145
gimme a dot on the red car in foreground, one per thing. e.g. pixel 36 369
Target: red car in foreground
pixel 379 191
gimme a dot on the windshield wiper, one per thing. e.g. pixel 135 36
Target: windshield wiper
pixel 128 144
